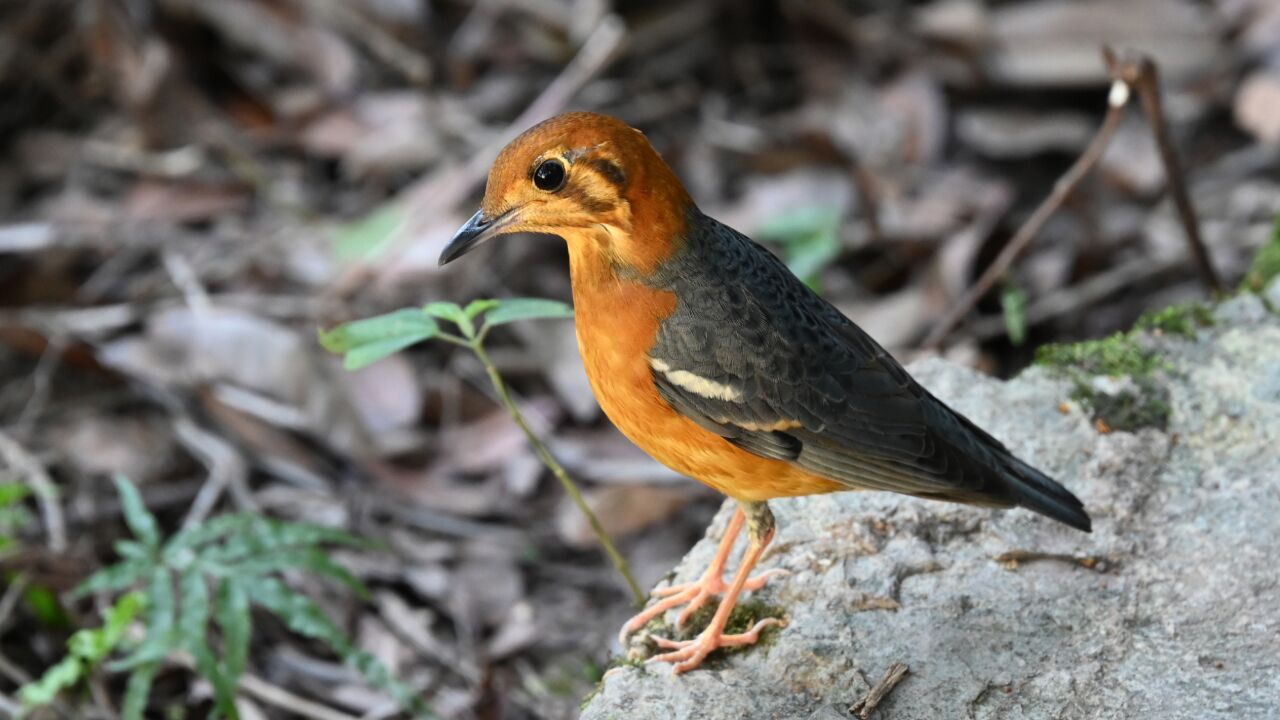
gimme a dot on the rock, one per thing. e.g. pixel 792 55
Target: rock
pixel 1168 609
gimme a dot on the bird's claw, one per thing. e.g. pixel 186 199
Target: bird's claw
pixel 693 595
pixel 689 654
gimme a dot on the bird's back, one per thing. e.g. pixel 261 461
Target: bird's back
pixel 751 354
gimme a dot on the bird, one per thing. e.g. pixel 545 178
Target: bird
pixel 706 351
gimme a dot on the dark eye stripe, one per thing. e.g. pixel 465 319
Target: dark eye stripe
pixel 611 172
pixel 588 202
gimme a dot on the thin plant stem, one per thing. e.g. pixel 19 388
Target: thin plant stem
pixel 1143 74
pixel 1062 189
pixel 619 562
pixel 1128 72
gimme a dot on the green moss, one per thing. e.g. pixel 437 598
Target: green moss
pixel 1146 403
pixel 1145 406
pixel 744 616
pixel 1266 264
pixel 1117 355
pixel 1184 320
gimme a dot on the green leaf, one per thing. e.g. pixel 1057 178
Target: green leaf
pixel 118 618
pixel 313 559
pixel 1013 301
pixel 1265 265
pixel 194 616
pixel 299 613
pixel 193 636
pixel 141 522
pixel 138 691
pixel 161 619
pixel 212 529
pixel 367 238
pixel 132 550
pixel 64 674
pixel 45 606
pixel 277 533
pixel 515 309
pixel 476 307
pixel 237 625
pixel 445 311
pixel 85 648
pixel 267 536
pixel 367 341
pixel 13 492
pixel 224 691
pixel 114 577
pixel 380 677
pixel 304 617
pixel 454 314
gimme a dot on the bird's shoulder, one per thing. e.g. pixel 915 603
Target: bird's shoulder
pixel 753 354
pixel 747 330
pixel 743 311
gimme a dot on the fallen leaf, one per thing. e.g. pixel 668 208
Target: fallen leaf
pixel 605 456
pixel 1055 42
pixel 181 202
pixel 386 395
pixel 516 632
pixel 1014 132
pixel 1132 159
pixel 483 445
pixel 488 586
pixel 621 509
pixel 137 446
pixel 1257 106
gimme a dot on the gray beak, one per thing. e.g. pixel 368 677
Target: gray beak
pixel 476 230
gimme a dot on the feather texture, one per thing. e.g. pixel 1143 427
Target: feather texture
pixel 754 355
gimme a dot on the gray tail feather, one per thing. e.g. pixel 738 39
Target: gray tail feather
pixel 1036 491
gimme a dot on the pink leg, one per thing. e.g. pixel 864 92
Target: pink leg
pixel 696 594
pixel 689 654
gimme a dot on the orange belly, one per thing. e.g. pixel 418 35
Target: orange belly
pixel 617 323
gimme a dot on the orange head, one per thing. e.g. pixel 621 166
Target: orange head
pixel 591 179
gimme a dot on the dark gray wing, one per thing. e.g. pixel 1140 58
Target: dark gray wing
pixel 754 355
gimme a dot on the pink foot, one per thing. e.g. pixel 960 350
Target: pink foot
pixel 693 595
pixel 689 654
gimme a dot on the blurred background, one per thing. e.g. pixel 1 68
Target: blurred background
pixel 189 189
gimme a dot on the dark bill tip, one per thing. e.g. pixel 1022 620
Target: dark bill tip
pixel 476 230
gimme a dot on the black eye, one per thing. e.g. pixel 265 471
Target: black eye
pixel 549 175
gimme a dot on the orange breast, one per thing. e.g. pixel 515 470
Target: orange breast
pixel 617 324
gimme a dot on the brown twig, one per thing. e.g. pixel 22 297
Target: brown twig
pixel 1063 188
pixel 1141 73
pixel 867 704
pixel 1129 71
pixel 1013 558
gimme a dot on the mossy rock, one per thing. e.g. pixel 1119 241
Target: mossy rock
pixel 1119 354
pixel 1144 405
pixel 1146 402
pixel 1185 320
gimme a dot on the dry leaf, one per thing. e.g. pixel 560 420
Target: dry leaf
pixel 386 395
pixel 181 202
pixel 1055 42
pixel 622 510
pixel 1257 107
